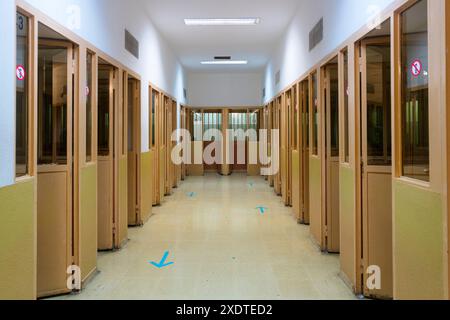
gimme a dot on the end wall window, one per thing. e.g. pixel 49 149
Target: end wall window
pixel 414 86
pixel 22 94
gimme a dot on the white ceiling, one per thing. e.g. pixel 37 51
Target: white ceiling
pixel 195 44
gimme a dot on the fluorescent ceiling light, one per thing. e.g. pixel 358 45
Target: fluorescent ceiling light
pixel 222 22
pixel 225 62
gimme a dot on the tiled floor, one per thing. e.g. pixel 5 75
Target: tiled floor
pixel 222 248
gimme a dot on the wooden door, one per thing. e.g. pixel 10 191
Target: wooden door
pixel 107 88
pixel 271 126
pixel 55 175
pixel 376 164
pixel 134 151
pixel 305 101
pixel 277 147
pixel 331 99
pixel 284 146
pixel 168 172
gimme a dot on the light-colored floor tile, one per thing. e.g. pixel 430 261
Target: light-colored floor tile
pixel 221 247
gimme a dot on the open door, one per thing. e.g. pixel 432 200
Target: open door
pixel 176 168
pixel 270 127
pixel 183 126
pixel 132 96
pixel 55 165
pixel 254 123
pixel 156 148
pixel 277 126
pixel 330 99
pixel 304 147
pixel 168 168
pixel 286 151
pixel 107 99
pixel 376 155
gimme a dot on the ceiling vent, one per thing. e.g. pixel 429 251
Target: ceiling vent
pixel 131 44
pixel 222 58
pixel 316 35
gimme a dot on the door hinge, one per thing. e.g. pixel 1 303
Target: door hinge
pixel 73 66
pixel 326 231
pixel 362 167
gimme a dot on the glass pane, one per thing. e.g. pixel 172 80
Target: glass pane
pixel 379 150
pixel 89 107
pixel 22 96
pixel 153 124
pixel 198 130
pixel 305 112
pixel 52 106
pixel 131 98
pixel 315 111
pixel 415 119
pixel 334 108
pixel 295 120
pixel 103 111
pixel 346 115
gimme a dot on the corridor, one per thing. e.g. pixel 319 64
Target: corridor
pixel 222 247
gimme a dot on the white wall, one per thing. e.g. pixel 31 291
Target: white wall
pixel 225 89
pixel 102 23
pixel 342 18
pixel 7 91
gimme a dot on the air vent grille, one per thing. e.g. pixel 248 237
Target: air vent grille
pixel 316 35
pixel 278 77
pixel 222 58
pixel 131 44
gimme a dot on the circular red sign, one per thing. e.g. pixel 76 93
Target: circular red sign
pixel 20 72
pixel 416 68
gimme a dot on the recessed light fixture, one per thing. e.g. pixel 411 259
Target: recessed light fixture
pixel 223 22
pixel 225 62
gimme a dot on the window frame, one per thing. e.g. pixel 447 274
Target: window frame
pixel 31 99
pixel 433 115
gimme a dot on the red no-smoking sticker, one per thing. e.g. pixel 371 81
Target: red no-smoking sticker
pixel 416 68
pixel 20 73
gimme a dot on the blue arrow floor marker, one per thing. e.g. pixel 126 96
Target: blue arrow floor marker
pixel 162 263
pixel 191 194
pixel 262 209
pixel 251 184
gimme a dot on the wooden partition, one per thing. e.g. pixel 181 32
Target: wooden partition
pixel 132 95
pixel 330 132
pixel 55 171
pixel 112 158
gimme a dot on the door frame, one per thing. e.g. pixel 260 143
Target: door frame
pixel 136 122
pixel 72 165
pixel 360 111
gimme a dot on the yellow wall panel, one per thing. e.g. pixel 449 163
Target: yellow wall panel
pixel 146 185
pixel 88 220
pixel 347 224
pixel 315 196
pixel 123 201
pixel 18 241
pixel 418 243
